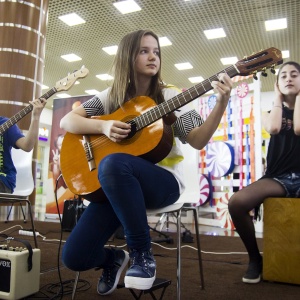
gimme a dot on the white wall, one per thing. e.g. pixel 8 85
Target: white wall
pixel 267 99
pixel 46 116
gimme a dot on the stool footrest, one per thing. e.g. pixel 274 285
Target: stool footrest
pixel 159 283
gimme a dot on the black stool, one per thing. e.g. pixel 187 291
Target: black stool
pixel 159 283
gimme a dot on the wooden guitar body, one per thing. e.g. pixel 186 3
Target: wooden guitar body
pixel 153 143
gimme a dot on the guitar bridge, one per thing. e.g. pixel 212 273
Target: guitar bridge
pixel 88 152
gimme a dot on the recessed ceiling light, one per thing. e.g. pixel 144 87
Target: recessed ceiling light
pixel 127 6
pixel 44 87
pixel 164 41
pixel 229 60
pixel 71 19
pixel 276 24
pixel 63 95
pixel 92 92
pixel 71 57
pixel 112 50
pixel 196 79
pixel 214 33
pixel 104 77
pixel 77 82
pixel 285 54
pixel 184 66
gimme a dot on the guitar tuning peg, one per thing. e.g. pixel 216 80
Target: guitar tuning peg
pixel 273 70
pixel 254 75
pixel 264 73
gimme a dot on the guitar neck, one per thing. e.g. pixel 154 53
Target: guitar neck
pixel 180 100
pixel 25 111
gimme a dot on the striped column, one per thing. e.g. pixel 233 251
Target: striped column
pixel 22 53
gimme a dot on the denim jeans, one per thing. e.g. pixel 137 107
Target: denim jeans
pixel 132 185
pixel 291 183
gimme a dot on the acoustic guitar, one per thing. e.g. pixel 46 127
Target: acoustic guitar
pixel 150 137
pixel 61 85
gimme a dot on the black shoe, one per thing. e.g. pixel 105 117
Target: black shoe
pixel 142 271
pixel 110 276
pixel 253 274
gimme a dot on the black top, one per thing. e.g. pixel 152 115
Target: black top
pixel 284 148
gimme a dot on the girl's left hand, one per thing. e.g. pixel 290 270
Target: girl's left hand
pixel 223 87
pixel 38 105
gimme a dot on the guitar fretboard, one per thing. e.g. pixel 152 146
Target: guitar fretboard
pixel 21 114
pixel 180 100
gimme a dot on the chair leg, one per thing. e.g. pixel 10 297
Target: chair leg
pixel 198 246
pixel 75 285
pixel 32 224
pixel 8 215
pixel 23 213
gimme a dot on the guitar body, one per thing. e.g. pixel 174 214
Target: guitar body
pixel 153 143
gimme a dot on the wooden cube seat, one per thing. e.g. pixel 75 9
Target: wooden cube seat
pixel 281 240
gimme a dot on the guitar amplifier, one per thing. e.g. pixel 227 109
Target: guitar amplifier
pixel 16 280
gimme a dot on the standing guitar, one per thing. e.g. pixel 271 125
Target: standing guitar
pixel 150 137
pixel 61 85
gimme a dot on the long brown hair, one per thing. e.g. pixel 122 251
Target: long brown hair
pixel 125 78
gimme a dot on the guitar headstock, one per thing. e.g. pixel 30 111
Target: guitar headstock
pixel 260 62
pixel 65 83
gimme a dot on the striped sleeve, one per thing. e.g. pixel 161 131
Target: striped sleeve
pixel 94 107
pixel 185 123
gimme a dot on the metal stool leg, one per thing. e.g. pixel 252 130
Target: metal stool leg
pixel 75 285
pixel 198 247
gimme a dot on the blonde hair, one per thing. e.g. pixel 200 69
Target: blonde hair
pixel 125 77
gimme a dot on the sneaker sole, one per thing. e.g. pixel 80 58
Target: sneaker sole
pixel 126 260
pixel 255 280
pixel 139 283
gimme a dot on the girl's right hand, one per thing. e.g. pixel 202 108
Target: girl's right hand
pixel 116 131
pixel 278 94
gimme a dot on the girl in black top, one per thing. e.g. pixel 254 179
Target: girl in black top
pixel 282 177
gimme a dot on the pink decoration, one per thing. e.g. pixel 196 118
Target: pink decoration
pixel 205 189
pixel 223 213
pixel 242 89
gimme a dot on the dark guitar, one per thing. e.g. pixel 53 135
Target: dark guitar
pixel 150 137
pixel 61 85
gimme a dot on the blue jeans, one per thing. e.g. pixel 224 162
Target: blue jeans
pixel 291 183
pixel 131 185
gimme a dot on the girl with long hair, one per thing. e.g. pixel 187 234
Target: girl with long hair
pixel 131 183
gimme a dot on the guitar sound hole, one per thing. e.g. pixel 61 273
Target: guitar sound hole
pixel 133 130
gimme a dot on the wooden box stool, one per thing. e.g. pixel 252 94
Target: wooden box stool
pixel 281 243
